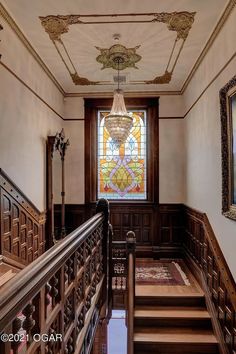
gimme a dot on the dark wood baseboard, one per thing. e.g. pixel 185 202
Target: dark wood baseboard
pixel 167 252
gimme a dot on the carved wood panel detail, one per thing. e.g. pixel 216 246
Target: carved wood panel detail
pixel 22 225
pixel 67 304
pixel 201 245
pixel 136 218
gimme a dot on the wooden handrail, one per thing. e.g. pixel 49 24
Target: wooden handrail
pixel 65 278
pixel 130 290
pixel 27 282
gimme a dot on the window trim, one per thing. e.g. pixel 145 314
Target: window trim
pixel 92 106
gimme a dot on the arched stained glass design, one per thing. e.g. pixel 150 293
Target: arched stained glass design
pixel 122 172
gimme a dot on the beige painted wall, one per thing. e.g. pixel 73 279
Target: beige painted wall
pixel 171 161
pixel 75 162
pixel 25 121
pixel 203 138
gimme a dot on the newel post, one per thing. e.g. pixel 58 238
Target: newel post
pixel 103 207
pixel 130 289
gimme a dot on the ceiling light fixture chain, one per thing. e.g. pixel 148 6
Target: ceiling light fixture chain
pixel 118 122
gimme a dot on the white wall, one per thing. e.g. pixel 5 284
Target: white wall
pixel 25 121
pixel 203 138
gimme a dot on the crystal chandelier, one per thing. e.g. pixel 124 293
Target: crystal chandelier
pixel 118 122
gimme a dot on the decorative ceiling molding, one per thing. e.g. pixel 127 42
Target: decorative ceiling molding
pixel 163 79
pixel 180 22
pixel 109 57
pixel 127 94
pixel 5 15
pixel 229 8
pixel 82 80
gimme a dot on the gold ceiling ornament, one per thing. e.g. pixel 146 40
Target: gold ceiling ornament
pixel 181 22
pixel 55 26
pixel 163 79
pixel 83 81
pixel 128 57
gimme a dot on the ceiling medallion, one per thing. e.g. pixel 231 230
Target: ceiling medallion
pixel 128 57
pixel 180 22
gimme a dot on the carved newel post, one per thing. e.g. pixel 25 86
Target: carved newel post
pixel 130 289
pixel 103 207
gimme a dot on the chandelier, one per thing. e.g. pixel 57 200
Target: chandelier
pixel 118 122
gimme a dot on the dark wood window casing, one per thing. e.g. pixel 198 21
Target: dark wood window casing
pixel 92 106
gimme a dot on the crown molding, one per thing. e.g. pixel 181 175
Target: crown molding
pixel 127 94
pixel 227 11
pixel 7 17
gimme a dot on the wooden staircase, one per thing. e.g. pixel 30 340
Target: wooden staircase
pixel 173 323
pixel 6 272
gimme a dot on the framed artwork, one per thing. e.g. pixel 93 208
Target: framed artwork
pixel 228 137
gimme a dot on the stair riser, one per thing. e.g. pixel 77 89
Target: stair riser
pixel 170 322
pixel 170 301
pixel 176 348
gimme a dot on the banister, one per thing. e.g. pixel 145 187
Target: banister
pixel 55 293
pixel 22 286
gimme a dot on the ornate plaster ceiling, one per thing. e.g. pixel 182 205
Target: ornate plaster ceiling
pixel 160 40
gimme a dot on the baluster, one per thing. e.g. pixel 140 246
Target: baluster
pixel 28 322
pixel 47 294
pixel 80 321
pixel 54 291
pixel 16 326
pixel 66 273
pixel 70 346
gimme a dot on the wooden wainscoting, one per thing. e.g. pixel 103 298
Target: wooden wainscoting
pixel 22 225
pixel 138 217
pixel 209 266
pixel 171 227
pixel 158 228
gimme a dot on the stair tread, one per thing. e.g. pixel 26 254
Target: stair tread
pixel 174 295
pixel 170 312
pixel 174 335
pixel 4 277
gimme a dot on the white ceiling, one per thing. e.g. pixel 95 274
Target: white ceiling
pixel 154 38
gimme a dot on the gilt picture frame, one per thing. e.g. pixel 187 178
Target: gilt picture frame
pixel 228 140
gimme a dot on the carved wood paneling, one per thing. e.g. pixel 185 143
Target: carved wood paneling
pixel 63 297
pixel 138 218
pixel 202 247
pixel 22 225
pixel 157 228
pixel 171 224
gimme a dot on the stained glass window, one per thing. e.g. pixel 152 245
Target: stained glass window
pixel 122 172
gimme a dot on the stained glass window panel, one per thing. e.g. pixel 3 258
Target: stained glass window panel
pixel 122 172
